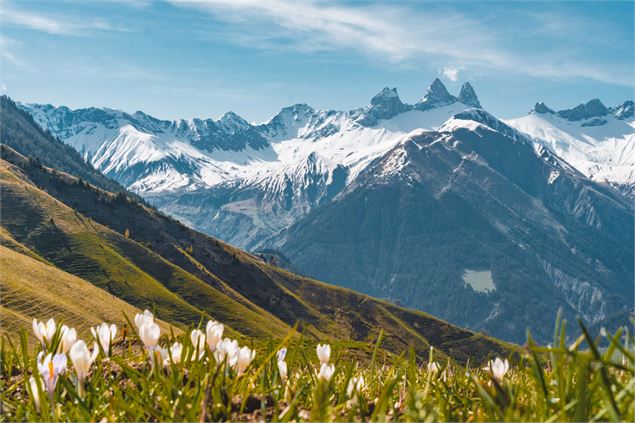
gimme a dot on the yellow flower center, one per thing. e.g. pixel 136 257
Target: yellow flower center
pixel 51 370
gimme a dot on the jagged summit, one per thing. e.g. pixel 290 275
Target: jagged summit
pixel 541 108
pixel 437 95
pixel 593 108
pixel 624 110
pixel 385 93
pixel 231 122
pixel 468 96
pixel 384 105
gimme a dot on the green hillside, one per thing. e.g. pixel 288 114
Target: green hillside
pixel 152 261
pixel 33 289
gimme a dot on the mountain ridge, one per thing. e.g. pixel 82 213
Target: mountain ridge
pixel 533 225
pixel 134 252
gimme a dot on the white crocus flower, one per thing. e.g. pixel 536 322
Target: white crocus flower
pixel 355 386
pixel 82 358
pixel 324 353
pixel 141 318
pixel 35 392
pixel 281 354
pixel 243 358
pixel 498 368
pixel 149 333
pixel 44 331
pixel 226 350
pixel 176 351
pixel 326 371
pixel 198 341
pixel 282 368
pixel 69 336
pixel 50 368
pixel 105 335
pixel 433 367
pixel 214 333
pixel 162 354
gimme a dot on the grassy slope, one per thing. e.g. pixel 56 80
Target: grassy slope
pixel 33 289
pixel 164 263
pixel 89 250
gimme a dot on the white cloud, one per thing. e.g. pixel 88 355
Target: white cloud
pixel 7 55
pixel 451 73
pixel 57 25
pixel 392 33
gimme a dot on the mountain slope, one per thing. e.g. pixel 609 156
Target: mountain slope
pixel 32 289
pixel 108 259
pixel 183 274
pixel 472 224
pixel 598 141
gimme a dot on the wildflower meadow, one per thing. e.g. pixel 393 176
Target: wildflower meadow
pixel 199 375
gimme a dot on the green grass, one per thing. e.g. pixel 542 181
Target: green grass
pixel 576 381
pixel 32 288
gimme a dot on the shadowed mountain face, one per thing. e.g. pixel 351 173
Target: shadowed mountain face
pixel 472 224
pixel 139 255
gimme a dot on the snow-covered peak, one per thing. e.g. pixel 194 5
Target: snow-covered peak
pixel 436 95
pixel 598 142
pixel 231 123
pixel 467 118
pixel 385 105
pixel 468 96
pixel 625 110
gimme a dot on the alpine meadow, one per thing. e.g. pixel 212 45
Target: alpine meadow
pixel 460 248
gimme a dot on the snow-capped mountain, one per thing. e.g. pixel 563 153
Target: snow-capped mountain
pixel 596 140
pixel 254 179
pixel 473 223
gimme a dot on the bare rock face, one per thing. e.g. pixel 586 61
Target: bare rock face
pixel 468 96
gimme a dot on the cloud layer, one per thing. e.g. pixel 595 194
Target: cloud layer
pixel 395 33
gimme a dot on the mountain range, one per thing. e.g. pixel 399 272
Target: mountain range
pixel 75 251
pixel 438 205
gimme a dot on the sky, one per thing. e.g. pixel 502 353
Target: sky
pixel 182 59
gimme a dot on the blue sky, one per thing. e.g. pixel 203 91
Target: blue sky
pixel 178 58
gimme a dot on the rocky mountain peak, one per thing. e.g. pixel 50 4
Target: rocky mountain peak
pixel 436 95
pixel 624 110
pixel 593 108
pixel 541 108
pixel 468 96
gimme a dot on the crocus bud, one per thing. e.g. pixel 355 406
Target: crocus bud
pixel 35 392
pixel 244 357
pixel 498 368
pixel 44 331
pixel 214 332
pixel 69 336
pixel 104 334
pixel 324 353
pixel 326 371
pixel 141 318
pixel 82 359
pixel 149 333
pixel 282 368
